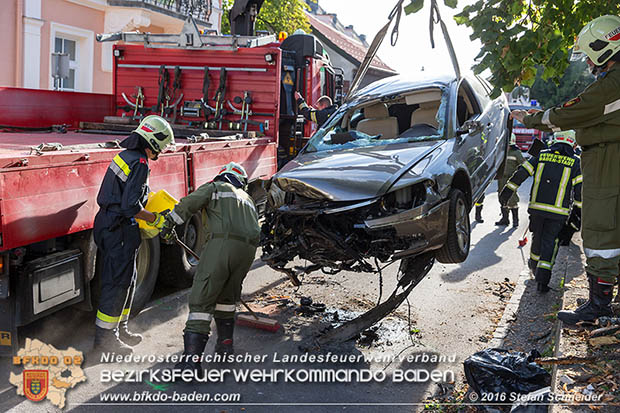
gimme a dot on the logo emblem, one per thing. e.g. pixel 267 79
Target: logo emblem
pixel 614 35
pixel 36 384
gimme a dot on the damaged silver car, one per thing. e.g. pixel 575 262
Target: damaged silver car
pixel 391 176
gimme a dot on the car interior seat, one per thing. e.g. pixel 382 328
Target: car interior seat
pixel 426 114
pixel 378 121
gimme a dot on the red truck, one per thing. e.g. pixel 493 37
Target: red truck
pixel 525 136
pixel 229 98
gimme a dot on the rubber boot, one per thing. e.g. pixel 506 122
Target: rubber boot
pixel 108 341
pixel 127 337
pixel 598 305
pixel 515 217
pixel 504 220
pixel 225 330
pixel 479 214
pixel 542 288
pixel 193 345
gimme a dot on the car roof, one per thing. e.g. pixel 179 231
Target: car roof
pixel 402 83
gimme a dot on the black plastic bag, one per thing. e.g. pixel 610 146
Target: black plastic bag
pixel 495 371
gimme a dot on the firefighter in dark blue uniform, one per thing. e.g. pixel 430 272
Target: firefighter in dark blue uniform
pixel 324 109
pixel 121 200
pixel 557 176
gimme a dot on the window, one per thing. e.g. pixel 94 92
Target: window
pixel 62 45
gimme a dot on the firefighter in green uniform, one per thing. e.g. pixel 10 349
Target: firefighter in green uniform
pixel 231 220
pixel 595 116
pixel 557 176
pixel 514 158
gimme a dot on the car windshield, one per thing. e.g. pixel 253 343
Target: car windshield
pixel 408 117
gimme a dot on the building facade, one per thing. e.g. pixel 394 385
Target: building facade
pixel 36 29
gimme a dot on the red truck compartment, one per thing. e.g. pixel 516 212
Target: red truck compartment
pixel 36 108
pixel 247 71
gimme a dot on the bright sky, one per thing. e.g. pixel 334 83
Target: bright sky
pixel 413 50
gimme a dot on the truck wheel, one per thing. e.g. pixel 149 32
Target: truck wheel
pixel 177 266
pixel 456 248
pixel 147 266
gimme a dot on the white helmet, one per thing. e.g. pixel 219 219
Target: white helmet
pixel 565 136
pixel 157 132
pixel 234 174
pixel 599 40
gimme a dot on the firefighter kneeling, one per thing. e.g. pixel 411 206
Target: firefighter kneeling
pixel 233 234
pixel 557 174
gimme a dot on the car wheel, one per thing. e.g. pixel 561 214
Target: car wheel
pixel 456 248
pixel 177 266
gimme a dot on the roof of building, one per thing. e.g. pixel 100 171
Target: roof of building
pixel 349 46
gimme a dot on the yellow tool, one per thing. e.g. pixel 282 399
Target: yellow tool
pixel 158 202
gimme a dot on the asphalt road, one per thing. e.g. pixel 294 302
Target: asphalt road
pixel 451 314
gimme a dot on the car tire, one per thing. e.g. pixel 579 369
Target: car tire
pixel 177 266
pixel 456 247
pixel 147 266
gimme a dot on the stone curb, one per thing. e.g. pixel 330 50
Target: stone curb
pixel 511 309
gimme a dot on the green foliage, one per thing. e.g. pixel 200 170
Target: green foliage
pixel 518 36
pixel 573 82
pixel 275 16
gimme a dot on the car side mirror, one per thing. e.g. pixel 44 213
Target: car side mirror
pixel 470 126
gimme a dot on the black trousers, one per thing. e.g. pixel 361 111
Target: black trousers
pixel 544 248
pixel 118 240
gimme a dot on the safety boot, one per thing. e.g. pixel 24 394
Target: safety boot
pixel 108 341
pixel 598 305
pixel 504 221
pixel 127 337
pixel 193 345
pixel 479 214
pixel 225 330
pixel 515 217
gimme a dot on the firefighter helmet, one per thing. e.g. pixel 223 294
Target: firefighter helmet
pixel 157 132
pixel 234 174
pixel 565 136
pixel 599 40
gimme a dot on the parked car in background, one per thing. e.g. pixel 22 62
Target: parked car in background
pixel 392 175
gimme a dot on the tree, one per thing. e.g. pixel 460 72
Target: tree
pixel 518 36
pixel 275 16
pixel 573 82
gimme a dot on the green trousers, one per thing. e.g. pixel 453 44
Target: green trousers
pixel 216 289
pixel 600 167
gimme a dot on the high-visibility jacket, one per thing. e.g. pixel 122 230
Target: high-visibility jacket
pixel 557 178
pixel 314 115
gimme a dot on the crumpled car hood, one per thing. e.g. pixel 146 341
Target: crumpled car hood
pixel 353 174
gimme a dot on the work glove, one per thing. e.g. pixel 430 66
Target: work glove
pixel 504 196
pixel 160 217
pixel 167 230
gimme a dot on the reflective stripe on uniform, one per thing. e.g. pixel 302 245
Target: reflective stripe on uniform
pixel 612 107
pixel 120 168
pixel 511 158
pixel 611 253
pixel 199 317
pixel 176 218
pixel 106 321
pixel 512 186
pixel 539 172
pixel 544 264
pixel 125 314
pixel 225 307
pixel 548 208
pixel 547 121
pixel 313 116
pixel 578 204
pixel 219 195
pixel 528 167
pixel 534 256
pixel 577 180
pixel 559 199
